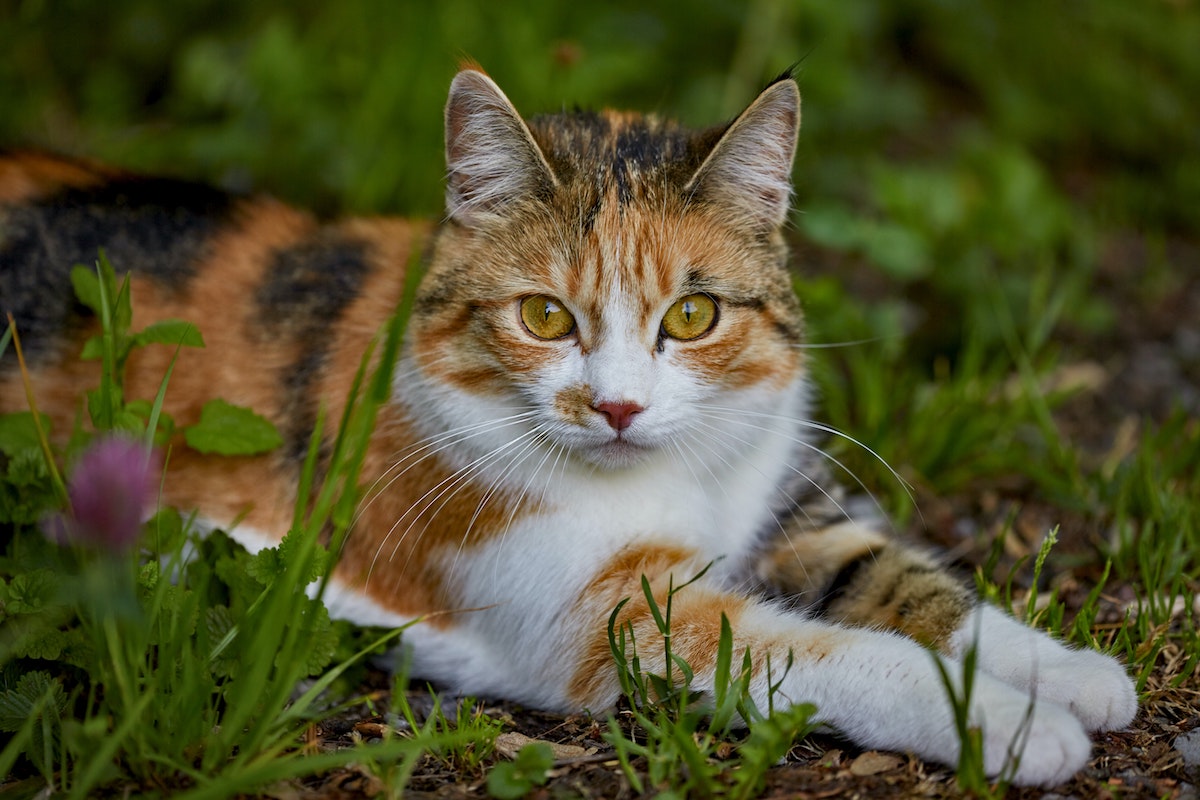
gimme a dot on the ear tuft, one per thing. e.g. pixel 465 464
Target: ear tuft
pixel 749 170
pixel 491 158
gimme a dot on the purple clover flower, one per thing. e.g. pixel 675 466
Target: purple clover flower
pixel 111 488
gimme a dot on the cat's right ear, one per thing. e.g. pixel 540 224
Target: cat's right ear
pixel 491 157
pixel 749 171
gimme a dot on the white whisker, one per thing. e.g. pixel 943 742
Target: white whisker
pixel 791 467
pixel 433 446
pixel 448 485
pixel 735 415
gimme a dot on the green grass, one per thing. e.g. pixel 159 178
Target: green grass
pixel 682 741
pixel 173 660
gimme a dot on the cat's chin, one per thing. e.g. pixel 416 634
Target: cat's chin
pixel 616 454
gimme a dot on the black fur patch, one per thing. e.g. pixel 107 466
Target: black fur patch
pixel 839 585
pixel 154 227
pixel 307 288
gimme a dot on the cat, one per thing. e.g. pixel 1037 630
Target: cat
pixel 603 378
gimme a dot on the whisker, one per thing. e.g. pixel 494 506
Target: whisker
pixel 796 508
pixel 792 467
pixel 832 345
pixel 735 414
pixel 450 484
pixel 557 451
pixel 530 445
pixel 431 447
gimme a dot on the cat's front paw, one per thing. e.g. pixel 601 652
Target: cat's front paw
pixel 1093 686
pixel 1047 746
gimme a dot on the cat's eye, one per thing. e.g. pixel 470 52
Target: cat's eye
pixel 545 318
pixel 691 317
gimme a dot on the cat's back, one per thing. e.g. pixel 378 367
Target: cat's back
pixel 180 238
pixel 286 302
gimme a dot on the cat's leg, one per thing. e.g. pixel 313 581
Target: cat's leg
pixel 854 575
pixel 878 688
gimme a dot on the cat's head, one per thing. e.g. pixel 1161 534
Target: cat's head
pixel 611 276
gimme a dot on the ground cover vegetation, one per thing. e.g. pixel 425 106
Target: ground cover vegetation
pixel 998 252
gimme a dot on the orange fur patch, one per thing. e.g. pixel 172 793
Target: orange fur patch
pixel 695 616
pixel 27 177
pixel 418 517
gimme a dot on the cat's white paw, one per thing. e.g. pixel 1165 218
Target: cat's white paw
pixel 1093 686
pixel 1055 746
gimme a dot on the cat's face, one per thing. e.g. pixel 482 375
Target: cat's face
pixel 617 283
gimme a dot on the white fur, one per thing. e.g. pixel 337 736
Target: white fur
pixel 1093 686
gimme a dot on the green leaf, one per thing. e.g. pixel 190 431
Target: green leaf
pixel 509 780
pixel 122 307
pixel 170 331
pixel 265 566
pixel 166 531
pixel 143 410
pixel 87 286
pixel 34 639
pixel 19 432
pixel 102 401
pixel 897 250
pixel 148 575
pixel 323 640
pixel 831 226
pixel 34 691
pixel 231 430
pixel 295 546
pixel 218 622
pixel 26 491
pixel 93 349
pixel 32 592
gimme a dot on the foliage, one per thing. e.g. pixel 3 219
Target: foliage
pixel 231 430
pixel 174 662
pixel 509 780
pixel 682 737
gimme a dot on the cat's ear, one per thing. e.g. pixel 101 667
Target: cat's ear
pixel 491 158
pixel 749 170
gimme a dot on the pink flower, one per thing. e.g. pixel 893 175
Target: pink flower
pixel 111 489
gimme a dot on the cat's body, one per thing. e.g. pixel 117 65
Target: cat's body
pixel 603 378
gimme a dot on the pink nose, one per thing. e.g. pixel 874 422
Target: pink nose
pixel 619 415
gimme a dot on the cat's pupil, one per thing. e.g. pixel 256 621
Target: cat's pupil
pixel 689 309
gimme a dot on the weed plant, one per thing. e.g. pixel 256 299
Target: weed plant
pixel 682 741
pixel 151 655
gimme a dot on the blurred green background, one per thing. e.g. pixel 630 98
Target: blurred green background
pixel 982 186
pixel 338 104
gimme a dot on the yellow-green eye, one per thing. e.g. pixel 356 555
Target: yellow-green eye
pixel 691 317
pixel 545 317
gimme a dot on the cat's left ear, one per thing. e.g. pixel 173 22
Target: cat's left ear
pixel 749 170
pixel 491 157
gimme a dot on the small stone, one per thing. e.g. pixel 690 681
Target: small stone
pixel 873 762
pixel 372 730
pixel 1188 746
pixel 509 744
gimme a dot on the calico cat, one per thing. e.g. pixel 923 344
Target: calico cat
pixel 603 378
